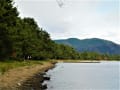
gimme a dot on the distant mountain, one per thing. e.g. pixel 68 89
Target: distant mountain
pixel 92 45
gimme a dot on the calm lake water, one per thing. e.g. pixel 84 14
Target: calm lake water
pixel 85 76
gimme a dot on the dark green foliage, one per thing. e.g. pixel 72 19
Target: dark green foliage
pixel 65 52
pixel 5 43
pixel 8 15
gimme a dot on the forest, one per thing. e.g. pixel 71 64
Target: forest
pixel 22 38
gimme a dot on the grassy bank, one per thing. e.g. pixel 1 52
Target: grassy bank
pixel 14 73
pixel 7 65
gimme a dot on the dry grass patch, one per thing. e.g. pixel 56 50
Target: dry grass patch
pixel 14 76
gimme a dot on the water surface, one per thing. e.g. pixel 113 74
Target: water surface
pixel 85 76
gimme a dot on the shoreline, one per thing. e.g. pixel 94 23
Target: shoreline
pixel 31 77
pixel 84 61
pixel 25 78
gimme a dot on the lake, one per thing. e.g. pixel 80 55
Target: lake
pixel 85 76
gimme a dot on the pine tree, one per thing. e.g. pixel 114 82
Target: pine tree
pixel 8 15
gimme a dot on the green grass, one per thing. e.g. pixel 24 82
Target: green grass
pixel 7 65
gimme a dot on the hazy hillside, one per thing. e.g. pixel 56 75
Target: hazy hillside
pixel 93 44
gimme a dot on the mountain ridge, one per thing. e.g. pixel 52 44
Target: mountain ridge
pixel 91 45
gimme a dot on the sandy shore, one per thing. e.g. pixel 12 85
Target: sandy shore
pixel 16 79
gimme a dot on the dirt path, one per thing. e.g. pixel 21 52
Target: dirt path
pixel 16 77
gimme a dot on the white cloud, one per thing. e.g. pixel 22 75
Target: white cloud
pixel 77 18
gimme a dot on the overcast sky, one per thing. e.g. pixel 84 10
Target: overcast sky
pixel 76 19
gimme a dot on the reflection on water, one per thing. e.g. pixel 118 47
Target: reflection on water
pixel 85 76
